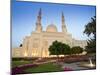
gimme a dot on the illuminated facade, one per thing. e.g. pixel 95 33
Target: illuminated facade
pixel 37 44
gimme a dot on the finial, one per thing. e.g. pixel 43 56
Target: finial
pixel 40 11
pixel 62 14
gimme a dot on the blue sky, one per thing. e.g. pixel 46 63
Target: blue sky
pixel 24 15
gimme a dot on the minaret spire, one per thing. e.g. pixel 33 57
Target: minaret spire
pixel 63 24
pixel 38 23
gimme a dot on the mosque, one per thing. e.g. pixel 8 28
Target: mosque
pixel 37 44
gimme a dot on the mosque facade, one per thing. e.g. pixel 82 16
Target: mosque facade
pixel 37 44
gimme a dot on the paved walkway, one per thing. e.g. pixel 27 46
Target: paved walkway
pixel 74 66
pixel 37 62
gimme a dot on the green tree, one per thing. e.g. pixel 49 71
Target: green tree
pixel 66 49
pixel 54 48
pixel 90 30
pixel 58 48
pixel 76 50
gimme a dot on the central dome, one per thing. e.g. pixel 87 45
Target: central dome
pixel 51 28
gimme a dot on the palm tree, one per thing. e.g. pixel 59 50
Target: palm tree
pixel 90 30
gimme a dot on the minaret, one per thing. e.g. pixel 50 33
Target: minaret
pixel 38 23
pixel 63 24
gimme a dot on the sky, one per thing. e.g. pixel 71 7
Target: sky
pixel 24 16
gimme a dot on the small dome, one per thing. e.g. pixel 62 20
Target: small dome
pixel 51 28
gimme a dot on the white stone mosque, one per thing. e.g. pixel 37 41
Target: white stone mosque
pixel 37 44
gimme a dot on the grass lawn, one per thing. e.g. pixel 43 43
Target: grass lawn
pixel 18 63
pixel 48 67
